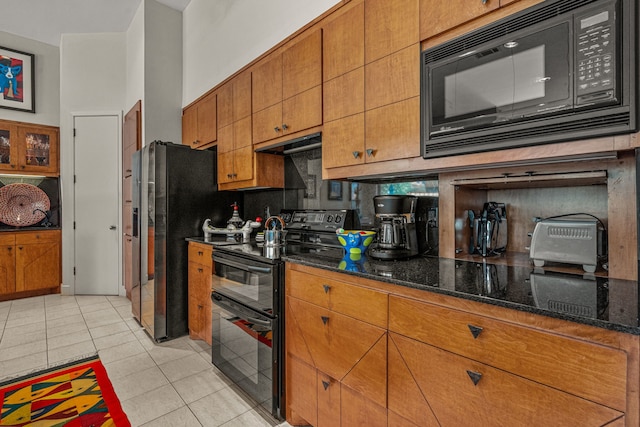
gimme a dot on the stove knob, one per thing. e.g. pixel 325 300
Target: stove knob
pixel 338 218
pixel 329 218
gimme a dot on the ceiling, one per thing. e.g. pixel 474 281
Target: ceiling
pixel 46 20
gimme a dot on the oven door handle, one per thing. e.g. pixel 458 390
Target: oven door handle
pixel 266 323
pixel 241 266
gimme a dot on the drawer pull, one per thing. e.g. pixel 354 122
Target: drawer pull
pixel 200 253
pixel 326 288
pixel 325 319
pixel 200 270
pixel 475 330
pixel 325 384
pixel 475 377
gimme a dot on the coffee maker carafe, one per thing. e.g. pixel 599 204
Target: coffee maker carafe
pixel 396 223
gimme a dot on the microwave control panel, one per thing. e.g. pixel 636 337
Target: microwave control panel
pixel 595 56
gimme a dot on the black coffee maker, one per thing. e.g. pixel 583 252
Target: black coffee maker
pixel 396 226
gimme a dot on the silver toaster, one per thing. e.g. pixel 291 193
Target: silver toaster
pixel 571 241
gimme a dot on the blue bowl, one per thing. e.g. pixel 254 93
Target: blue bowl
pixel 356 241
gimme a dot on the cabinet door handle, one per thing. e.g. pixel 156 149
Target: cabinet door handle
pixel 369 152
pixel 228 175
pixel 200 253
pixel 475 377
pixel 277 129
pixel 285 126
pixel 200 270
pixel 9 248
pixel 326 288
pixel 20 247
pixel 356 154
pixel 325 384
pixel 475 330
pixel 325 319
pixel 484 1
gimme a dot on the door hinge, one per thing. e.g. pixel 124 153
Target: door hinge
pixel 74 132
pixel 74 179
pixel 74 225
pixel 74 271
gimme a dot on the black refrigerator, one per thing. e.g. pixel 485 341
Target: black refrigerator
pixel 176 191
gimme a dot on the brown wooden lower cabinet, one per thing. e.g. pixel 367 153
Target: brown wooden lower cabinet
pixel 445 361
pixel 30 263
pixel 199 274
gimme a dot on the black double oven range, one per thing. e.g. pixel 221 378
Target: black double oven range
pixel 248 301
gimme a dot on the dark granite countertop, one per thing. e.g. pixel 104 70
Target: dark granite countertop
pixel 598 301
pixel 30 228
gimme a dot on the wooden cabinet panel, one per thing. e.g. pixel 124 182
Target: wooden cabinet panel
pixel 343 142
pixel 361 303
pixel 462 391
pixel 267 124
pixel 344 95
pixel 302 65
pixel 200 268
pixel 225 106
pixel 7 268
pixel 243 164
pixel 329 401
pixel 336 342
pixel 343 43
pixel 199 122
pixel 393 131
pixel 207 123
pixel 591 371
pixel 436 16
pixel 242 96
pixel 391 25
pixel 267 84
pixel 357 410
pixel 302 111
pixel 38 258
pixel 302 392
pixel 393 78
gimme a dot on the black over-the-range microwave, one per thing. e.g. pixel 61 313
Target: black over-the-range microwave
pixel 561 70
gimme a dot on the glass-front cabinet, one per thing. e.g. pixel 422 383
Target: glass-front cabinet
pixel 29 149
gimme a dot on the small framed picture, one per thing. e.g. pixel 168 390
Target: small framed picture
pixel 335 190
pixel 17 80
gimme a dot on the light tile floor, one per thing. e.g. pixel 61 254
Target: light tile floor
pixel 168 384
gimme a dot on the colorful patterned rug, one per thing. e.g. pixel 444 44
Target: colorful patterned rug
pixel 78 394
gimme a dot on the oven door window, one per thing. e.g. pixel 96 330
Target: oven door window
pixel 515 78
pixel 242 348
pixel 245 282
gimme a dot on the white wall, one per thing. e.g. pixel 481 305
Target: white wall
pixel 222 36
pixel 162 108
pixel 92 80
pixel 47 78
pixel 135 61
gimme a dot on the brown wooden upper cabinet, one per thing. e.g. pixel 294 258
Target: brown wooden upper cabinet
pixel 199 122
pixel 29 149
pixel 439 16
pixel 391 25
pixel 371 99
pixel 287 90
pixel 235 151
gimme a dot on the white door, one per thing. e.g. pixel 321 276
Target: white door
pixel 96 143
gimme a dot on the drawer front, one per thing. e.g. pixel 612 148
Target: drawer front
pixel 29 238
pixel 588 370
pixel 7 239
pixel 362 303
pixel 200 254
pixel 461 391
pixel 335 343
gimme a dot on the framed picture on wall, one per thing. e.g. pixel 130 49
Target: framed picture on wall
pixel 335 190
pixel 17 79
